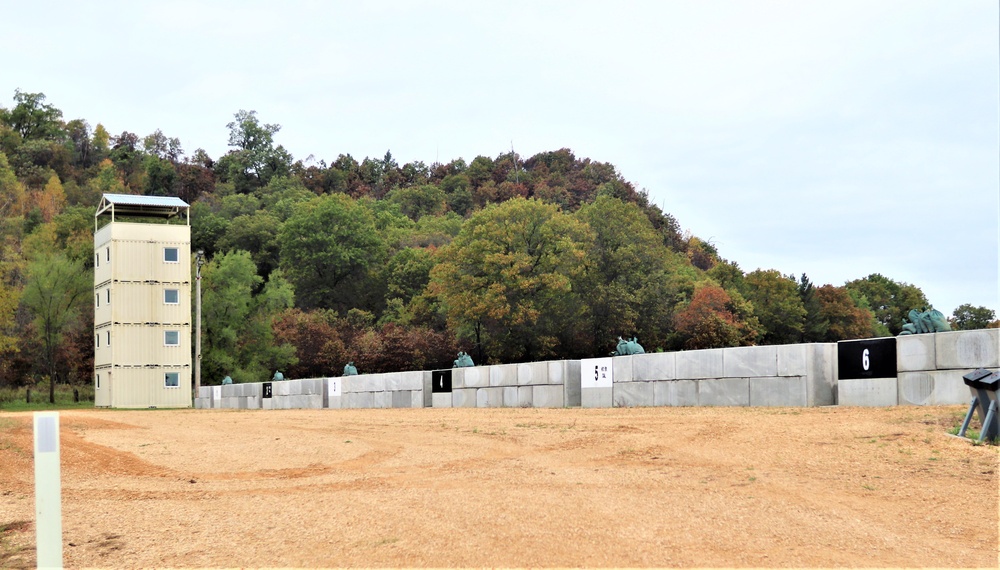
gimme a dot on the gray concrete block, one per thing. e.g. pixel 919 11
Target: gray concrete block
pixel 307 401
pixel 933 388
pixel 279 402
pixel 571 386
pixel 411 380
pixel 359 400
pixel 503 375
pixel 675 393
pixel 547 396
pixel 417 399
pixel 279 388
pixel 915 352
pixel 333 402
pixel 464 398
pixel 555 371
pixel 393 381
pixel 510 396
pixel 428 391
pixel 654 366
pixel 532 373
pixel 202 403
pixel 294 387
pixel 473 377
pixel 350 384
pixel 967 349
pixel 821 381
pixel 524 394
pixel 749 361
pixel 402 398
pixel 312 386
pixel 382 400
pixel 621 367
pixel 633 394
pixel 867 392
pixel 373 383
pixel 441 400
pixel 205 392
pixel 784 391
pixel 696 364
pixel 792 359
pixel 596 397
pixel 489 397
pixel 724 392
pixel 267 403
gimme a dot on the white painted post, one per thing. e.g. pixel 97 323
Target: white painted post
pixel 48 491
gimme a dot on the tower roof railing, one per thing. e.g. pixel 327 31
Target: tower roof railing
pixel 131 205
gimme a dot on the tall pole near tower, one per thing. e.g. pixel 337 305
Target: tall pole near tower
pixel 199 260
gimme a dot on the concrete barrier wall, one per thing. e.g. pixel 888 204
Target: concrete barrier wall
pixel 788 375
pixel 550 384
pixel 929 368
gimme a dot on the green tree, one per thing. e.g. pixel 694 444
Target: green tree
pixel 814 327
pixel 328 248
pixel 255 159
pixel 238 337
pixel 256 233
pixel 889 300
pixel 966 317
pixel 33 118
pixel 715 318
pixel 56 290
pixel 506 281
pixel 777 305
pixel 419 201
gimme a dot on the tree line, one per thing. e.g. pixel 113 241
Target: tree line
pixel 394 267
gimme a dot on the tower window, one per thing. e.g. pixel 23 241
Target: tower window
pixel 171 255
pixel 171 338
pixel 171 296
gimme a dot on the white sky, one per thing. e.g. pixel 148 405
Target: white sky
pixel 836 138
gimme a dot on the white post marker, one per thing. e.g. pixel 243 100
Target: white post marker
pixel 48 491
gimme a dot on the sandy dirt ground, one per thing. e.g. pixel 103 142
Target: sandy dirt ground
pixel 639 487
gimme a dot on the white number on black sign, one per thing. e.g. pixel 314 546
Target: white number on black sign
pixel 864 359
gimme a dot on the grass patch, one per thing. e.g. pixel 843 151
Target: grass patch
pixel 15 399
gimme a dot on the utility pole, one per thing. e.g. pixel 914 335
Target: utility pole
pixel 199 260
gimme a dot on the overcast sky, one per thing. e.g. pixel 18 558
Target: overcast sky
pixel 834 138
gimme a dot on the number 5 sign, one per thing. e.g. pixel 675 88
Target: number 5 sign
pixel 596 373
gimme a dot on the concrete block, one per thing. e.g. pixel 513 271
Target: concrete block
pixel 621 367
pixel 867 392
pixel 510 396
pixel 402 398
pixel 503 375
pixel 532 373
pixel 350 384
pixel 792 359
pixel 279 402
pixel 633 394
pixel 279 388
pixel 915 352
pixel 253 402
pixel 933 388
pixel 597 397
pixel 675 393
pixel 472 377
pixel 821 380
pixel 359 400
pixel 555 371
pixel 373 382
pixel 489 397
pixel 333 402
pixel 724 392
pixel 417 399
pixel 294 387
pixel 654 366
pixel 785 391
pixel 205 392
pixel 967 349
pixel 464 398
pixel 202 403
pixel 267 403
pixel 411 380
pixel 571 387
pixel 382 400
pixel 524 394
pixel 749 361
pixel 306 401
pixel 312 386
pixel 392 381
pixel 547 396
pixel 696 364
pixel 441 400
pixel 428 390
